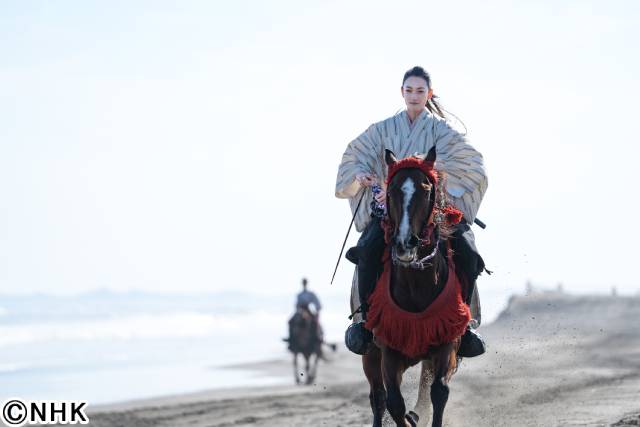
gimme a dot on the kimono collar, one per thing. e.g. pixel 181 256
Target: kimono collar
pixel 420 117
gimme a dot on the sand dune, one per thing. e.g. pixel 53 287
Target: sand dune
pixel 553 360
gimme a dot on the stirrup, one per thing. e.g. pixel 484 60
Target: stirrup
pixel 471 344
pixel 357 338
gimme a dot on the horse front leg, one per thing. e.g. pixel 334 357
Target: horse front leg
pixel 423 403
pixel 393 366
pixel 296 372
pixel 444 363
pixel 306 367
pixel 372 366
pixel 311 375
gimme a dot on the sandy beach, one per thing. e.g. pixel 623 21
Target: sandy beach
pixel 553 360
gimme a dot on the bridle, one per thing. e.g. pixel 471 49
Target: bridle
pixel 431 229
pixel 436 217
pixel 420 264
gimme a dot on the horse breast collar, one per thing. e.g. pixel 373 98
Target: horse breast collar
pixel 413 334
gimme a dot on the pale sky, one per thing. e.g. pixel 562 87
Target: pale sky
pixel 193 145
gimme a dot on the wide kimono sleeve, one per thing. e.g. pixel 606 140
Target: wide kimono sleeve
pixel 361 156
pixel 464 167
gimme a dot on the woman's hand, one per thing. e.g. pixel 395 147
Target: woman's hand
pixel 381 197
pixel 366 179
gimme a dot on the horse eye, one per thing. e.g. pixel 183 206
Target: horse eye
pixel 426 186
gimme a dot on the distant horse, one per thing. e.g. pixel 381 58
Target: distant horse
pixel 305 338
pixel 416 311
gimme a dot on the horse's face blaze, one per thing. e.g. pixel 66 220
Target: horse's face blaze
pixel 410 201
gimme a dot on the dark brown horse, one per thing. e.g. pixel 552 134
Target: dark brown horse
pixel 306 338
pixel 303 339
pixel 419 288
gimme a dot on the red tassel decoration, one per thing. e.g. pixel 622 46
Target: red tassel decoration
pixel 452 215
pixel 413 334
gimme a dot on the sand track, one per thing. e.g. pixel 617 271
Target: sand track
pixel 553 360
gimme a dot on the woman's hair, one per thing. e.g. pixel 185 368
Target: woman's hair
pixel 432 105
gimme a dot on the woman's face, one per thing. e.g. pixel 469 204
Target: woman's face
pixel 415 93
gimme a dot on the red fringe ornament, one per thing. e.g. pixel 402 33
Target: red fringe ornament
pixel 452 215
pixel 413 334
pixel 413 162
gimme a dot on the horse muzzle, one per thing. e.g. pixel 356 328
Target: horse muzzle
pixel 404 254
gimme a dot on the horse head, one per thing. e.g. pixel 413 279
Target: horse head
pixel 411 202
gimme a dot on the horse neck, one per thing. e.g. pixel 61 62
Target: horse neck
pixel 414 290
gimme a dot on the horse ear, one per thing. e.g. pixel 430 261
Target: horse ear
pixel 389 157
pixel 431 155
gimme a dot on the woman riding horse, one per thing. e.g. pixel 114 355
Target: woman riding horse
pixel 415 130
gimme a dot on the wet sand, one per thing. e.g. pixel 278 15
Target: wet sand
pixel 553 360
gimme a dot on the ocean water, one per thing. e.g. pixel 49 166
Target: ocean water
pixel 107 347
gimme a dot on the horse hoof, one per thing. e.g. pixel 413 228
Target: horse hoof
pixel 412 417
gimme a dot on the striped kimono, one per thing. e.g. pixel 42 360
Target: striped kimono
pixel 466 178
